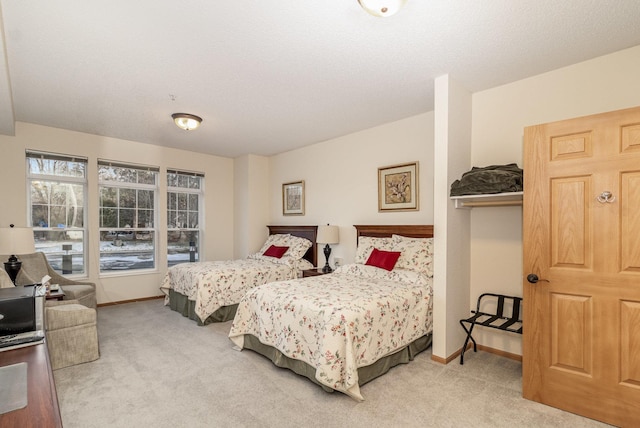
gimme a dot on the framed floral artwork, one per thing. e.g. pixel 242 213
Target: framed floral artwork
pixel 398 187
pixel 293 198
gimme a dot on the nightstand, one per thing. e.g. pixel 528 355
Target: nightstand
pixel 313 272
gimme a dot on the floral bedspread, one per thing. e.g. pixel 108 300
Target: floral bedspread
pixel 337 323
pixel 222 283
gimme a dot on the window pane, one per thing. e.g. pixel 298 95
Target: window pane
pixel 125 175
pixel 126 250
pixel 76 217
pixel 64 249
pixel 145 198
pixel 171 219
pixel 58 216
pixel 181 220
pixel 126 217
pixel 56 167
pixel 194 182
pixel 108 197
pixel 193 202
pixel 172 200
pixel 172 180
pixel 182 201
pixel 193 220
pixel 183 181
pixel 39 192
pixel 178 246
pixel 146 177
pixel 58 193
pixel 105 173
pixel 40 215
pixel 108 217
pixel 127 198
pixel 145 218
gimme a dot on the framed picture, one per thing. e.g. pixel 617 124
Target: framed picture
pixel 293 198
pixel 398 187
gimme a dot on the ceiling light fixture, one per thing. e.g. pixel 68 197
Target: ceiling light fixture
pixel 186 121
pixel 382 8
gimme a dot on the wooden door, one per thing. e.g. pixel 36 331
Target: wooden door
pixel 581 335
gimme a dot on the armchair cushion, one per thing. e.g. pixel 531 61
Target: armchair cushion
pixel 35 266
pixel 72 335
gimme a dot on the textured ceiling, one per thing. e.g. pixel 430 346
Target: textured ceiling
pixel 269 76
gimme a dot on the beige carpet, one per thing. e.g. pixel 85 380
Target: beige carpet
pixel 159 369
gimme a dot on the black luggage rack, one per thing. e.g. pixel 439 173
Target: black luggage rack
pixel 497 320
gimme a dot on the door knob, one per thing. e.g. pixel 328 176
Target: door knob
pixel 606 197
pixel 533 278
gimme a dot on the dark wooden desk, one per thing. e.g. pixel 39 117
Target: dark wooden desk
pixel 42 409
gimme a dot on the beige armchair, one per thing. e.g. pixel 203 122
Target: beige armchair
pixel 71 333
pixel 35 266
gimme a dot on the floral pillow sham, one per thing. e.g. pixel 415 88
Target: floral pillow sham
pixel 297 247
pixel 417 254
pixel 366 244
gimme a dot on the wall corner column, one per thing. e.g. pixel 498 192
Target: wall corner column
pixel 452 157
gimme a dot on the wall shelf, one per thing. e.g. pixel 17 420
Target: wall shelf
pixel 488 200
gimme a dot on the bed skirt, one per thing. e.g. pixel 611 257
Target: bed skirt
pixel 365 374
pixel 180 303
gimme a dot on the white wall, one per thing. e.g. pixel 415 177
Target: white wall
pixel 499 116
pixel 218 209
pixel 251 184
pixel 341 179
pixel 452 226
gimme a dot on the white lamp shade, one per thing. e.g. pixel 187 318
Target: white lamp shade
pixel 186 121
pixel 382 8
pixel 16 240
pixel 328 235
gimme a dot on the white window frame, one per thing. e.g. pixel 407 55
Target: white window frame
pixel 185 190
pixel 29 154
pixel 132 229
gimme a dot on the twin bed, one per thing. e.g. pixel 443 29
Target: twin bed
pixel 344 329
pixel 210 291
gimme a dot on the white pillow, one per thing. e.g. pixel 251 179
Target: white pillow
pixel 366 244
pixel 297 246
pixel 277 239
pixel 417 254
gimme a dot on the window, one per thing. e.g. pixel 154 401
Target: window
pixel 57 208
pixel 185 193
pixel 127 216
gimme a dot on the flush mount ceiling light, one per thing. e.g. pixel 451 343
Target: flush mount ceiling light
pixel 186 121
pixel 382 8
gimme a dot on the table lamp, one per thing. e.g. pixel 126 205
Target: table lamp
pixel 328 235
pixel 15 240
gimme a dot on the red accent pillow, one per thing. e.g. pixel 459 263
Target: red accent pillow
pixel 275 251
pixel 383 259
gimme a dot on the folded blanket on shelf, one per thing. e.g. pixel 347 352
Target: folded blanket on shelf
pixel 488 180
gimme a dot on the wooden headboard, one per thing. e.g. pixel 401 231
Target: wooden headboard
pixel 386 230
pixel 308 232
